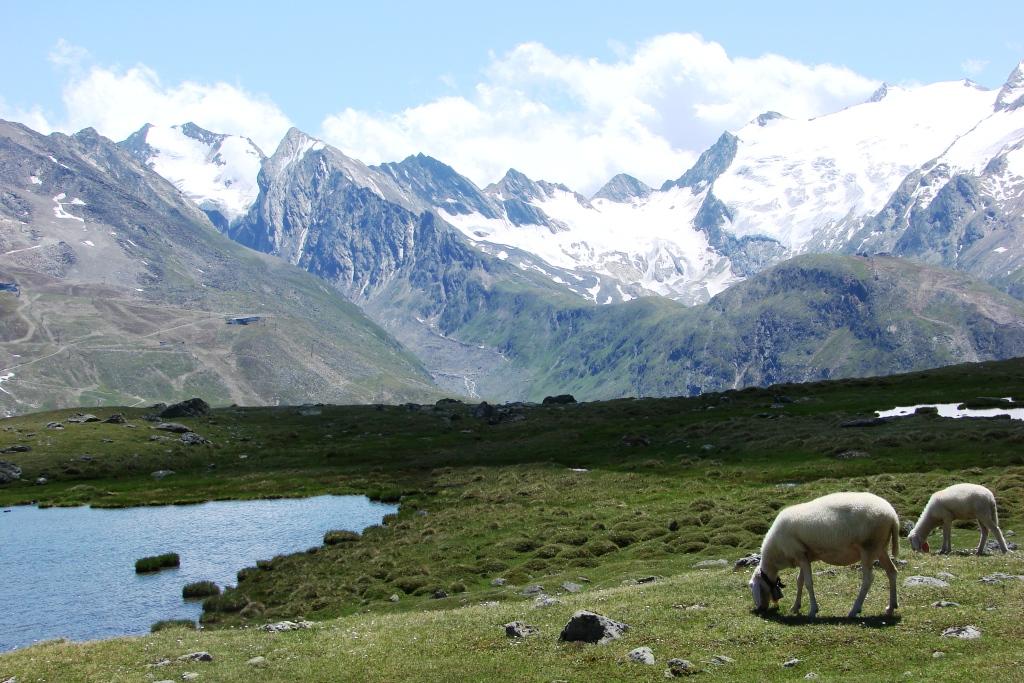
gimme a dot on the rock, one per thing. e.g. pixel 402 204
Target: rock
pixel 721 660
pixel 498 581
pixel 201 656
pixel 945 576
pixel 17 448
pixel 929 581
pixel 790 663
pixel 193 439
pixel 969 632
pixel 709 564
pixel 257 662
pixel 810 676
pixel 518 629
pixel 751 560
pixel 646 579
pixel 993 547
pixel 680 667
pixel 286 626
pixel 54 425
pixel 116 419
pixel 635 440
pixel 41 481
pixel 79 418
pixel 546 601
pixel 945 603
pixel 938 654
pixel 999 577
pixel 189 676
pixel 484 410
pixel 864 422
pixel 394 597
pixel 9 472
pixel 439 595
pixel 160 474
pixel 193 407
pixel 570 587
pixel 533 589
pixel 175 427
pixel 926 410
pixel 642 655
pixel 852 455
pixel 589 627
pixel 561 399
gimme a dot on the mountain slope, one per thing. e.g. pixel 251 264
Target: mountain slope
pixel 125 288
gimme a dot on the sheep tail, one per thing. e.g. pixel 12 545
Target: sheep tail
pixel 895 539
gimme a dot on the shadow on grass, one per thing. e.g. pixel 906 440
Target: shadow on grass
pixel 877 621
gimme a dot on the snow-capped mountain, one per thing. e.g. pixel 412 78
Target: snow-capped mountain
pixel 216 171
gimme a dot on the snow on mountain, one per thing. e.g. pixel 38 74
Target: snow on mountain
pixel 216 171
pixel 791 179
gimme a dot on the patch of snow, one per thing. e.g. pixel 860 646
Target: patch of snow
pixel 951 410
pixel 59 210
pixel 78 202
pixel 1000 250
pixel 5 378
pixel 88 243
pixel 35 180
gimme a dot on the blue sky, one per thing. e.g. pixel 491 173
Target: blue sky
pixel 351 72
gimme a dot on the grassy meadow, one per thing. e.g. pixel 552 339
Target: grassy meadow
pixel 602 495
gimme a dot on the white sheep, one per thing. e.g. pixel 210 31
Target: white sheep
pixel 840 529
pixel 959 501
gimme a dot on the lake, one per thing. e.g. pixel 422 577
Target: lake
pixel 70 572
pixel 953 410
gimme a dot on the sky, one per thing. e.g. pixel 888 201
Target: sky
pixel 570 91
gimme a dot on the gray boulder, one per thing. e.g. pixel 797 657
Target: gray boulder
pixel 561 399
pixel 968 632
pixel 642 655
pixel 519 629
pixel 570 587
pixel 79 418
pixel 929 581
pixel 160 474
pixel 202 656
pixel 175 427
pixel 533 589
pixel 678 668
pixel 193 439
pixel 193 407
pixel 751 560
pixel 54 425
pixel 588 627
pixel 116 419
pixel 711 564
pixel 9 472
pixel 286 626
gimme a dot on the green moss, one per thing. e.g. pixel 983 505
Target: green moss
pixel 200 589
pixel 155 563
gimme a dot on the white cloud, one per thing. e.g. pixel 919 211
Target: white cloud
pixel 973 67
pixel 580 121
pixel 117 102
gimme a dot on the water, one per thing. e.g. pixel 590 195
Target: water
pixel 950 410
pixel 70 572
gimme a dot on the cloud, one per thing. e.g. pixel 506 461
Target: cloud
pixel 561 117
pixel 117 102
pixel 973 67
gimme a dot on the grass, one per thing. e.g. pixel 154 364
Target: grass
pixel 155 563
pixel 199 589
pixel 172 623
pixel 482 502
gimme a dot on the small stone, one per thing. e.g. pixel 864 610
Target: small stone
pixel 790 663
pixel 938 654
pixel 116 419
pixel 642 655
pixel 647 579
pixel 721 660
pixel 193 439
pixel 519 629
pixel 533 589
pixel 968 632
pixel 189 676
pixel 201 656
pixel 257 661
pixel 499 581
pixel 542 601
pixel 394 597
pixel 52 425
pixel 570 587
pixel 589 627
pixel 40 481
pixel 709 564
pixel 929 581
pixel 751 560
pixel 79 418
pixel 160 474
pixel 175 427
pixel 999 577
pixel 945 603
pixel 439 595
pixel 680 667
pixel 286 626
pixel 945 576
pixel 810 676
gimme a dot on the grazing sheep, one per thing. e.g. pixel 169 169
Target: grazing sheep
pixel 840 529
pixel 959 501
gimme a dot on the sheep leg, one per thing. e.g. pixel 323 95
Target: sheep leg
pixel 867 566
pixel 993 525
pixel 799 591
pixel 999 538
pixel 805 572
pixel 984 538
pixel 947 537
pixel 890 571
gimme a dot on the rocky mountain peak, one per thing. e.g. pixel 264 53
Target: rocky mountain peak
pixel 623 188
pixel 767 117
pixel 711 164
pixel 1011 95
pixel 879 93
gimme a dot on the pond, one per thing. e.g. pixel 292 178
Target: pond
pixel 70 572
pixel 953 410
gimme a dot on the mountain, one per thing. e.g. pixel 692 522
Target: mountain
pixel 216 171
pixel 124 289
pixel 623 188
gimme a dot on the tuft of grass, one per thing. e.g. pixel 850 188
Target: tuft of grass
pixel 339 536
pixel 225 602
pixel 155 563
pixel 200 589
pixel 165 624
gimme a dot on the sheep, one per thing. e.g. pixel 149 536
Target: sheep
pixel 840 529
pixel 959 501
